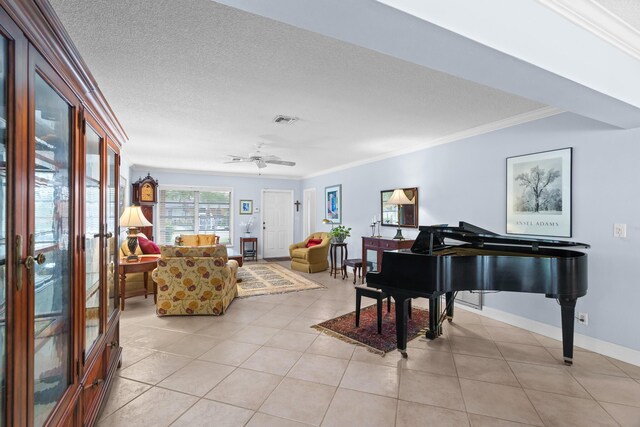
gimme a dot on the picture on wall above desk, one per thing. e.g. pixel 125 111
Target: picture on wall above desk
pixel 539 193
pixel 399 208
pixel 246 207
pixel 333 203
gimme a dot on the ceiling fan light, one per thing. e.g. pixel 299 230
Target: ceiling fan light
pixel 281 118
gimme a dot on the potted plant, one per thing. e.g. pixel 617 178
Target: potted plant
pixel 340 233
pixel 247 227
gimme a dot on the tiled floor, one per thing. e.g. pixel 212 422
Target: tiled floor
pixel 262 365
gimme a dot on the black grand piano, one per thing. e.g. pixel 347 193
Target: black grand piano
pixel 486 261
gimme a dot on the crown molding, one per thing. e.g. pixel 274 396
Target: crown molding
pixel 529 116
pixel 148 168
pixel 598 20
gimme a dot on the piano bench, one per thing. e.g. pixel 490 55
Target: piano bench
pixel 376 294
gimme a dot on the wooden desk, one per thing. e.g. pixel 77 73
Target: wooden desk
pixel 249 253
pixel 144 265
pixel 379 245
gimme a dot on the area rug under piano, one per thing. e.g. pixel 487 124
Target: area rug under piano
pixel 344 327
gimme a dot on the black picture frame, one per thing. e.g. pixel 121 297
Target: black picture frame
pixel 539 193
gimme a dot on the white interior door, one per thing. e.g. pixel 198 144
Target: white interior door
pixel 277 222
pixel 309 212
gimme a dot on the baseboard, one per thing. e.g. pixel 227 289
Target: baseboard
pixel 593 344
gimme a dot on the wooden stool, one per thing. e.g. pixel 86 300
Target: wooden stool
pixel 378 295
pixel 356 264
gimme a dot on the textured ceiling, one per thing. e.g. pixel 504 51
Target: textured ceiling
pixel 626 10
pixel 193 81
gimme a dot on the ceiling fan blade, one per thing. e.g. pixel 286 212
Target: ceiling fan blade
pixel 270 157
pixel 280 162
pixel 238 159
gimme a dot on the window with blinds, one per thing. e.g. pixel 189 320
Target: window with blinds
pixel 194 211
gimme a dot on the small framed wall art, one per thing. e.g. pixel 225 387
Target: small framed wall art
pixel 539 193
pixel 333 203
pixel 246 207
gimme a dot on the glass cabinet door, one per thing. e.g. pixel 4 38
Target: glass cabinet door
pixel 50 243
pixel 92 238
pixel 113 249
pixel 3 223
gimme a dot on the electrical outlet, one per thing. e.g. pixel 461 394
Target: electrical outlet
pixel 583 318
pixel 620 230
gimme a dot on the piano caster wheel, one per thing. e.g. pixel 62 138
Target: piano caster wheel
pixel 403 353
pixel 431 335
pixel 450 319
pixel 568 362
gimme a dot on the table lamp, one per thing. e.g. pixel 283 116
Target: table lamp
pixel 328 221
pixel 132 217
pixel 399 198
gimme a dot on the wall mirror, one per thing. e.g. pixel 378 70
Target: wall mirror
pixel 399 215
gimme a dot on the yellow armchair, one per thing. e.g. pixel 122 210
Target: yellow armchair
pixel 198 239
pixel 194 280
pixel 312 259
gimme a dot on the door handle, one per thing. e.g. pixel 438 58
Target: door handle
pixel 41 258
pixel 30 261
pixel 108 235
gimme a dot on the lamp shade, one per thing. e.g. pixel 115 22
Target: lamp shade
pixel 399 198
pixel 327 221
pixel 133 217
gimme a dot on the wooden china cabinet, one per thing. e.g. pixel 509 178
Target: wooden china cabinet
pixel 59 169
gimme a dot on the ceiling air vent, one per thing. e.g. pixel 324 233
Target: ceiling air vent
pixel 284 119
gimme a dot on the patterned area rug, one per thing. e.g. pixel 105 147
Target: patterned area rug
pixel 269 278
pixel 344 327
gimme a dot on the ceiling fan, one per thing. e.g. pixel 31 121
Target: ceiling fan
pixel 260 159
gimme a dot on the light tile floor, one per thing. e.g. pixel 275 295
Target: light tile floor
pixel 262 365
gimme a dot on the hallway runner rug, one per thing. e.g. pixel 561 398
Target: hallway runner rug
pixel 270 278
pixel 344 328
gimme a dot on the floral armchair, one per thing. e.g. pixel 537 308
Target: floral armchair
pixel 194 280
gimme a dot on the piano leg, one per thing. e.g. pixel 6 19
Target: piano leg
pixel 449 301
pixel 401 323
pixel 568 309
pixel 435 329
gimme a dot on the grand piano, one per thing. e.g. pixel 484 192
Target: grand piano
pixel 480 261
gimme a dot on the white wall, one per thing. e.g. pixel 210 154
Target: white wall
pixel 243 188
pixel 465 181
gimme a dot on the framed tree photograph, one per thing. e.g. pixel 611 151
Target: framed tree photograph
pixel 333 203
pixel 539 193
pixel 246 207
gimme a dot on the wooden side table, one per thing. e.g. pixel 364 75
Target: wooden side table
pixel 144 265
pixel 379 245
pixel 253 251
pixel 333 254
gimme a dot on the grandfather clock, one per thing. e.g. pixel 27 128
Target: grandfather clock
pixel 145 194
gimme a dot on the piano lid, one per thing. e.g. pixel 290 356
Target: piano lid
pixel 470 233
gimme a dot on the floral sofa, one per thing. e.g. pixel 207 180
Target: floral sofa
pixel 194 280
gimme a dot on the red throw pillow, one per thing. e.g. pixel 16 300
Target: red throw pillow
pixel 147 246
pixel 313 242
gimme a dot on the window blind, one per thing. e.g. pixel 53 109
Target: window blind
pixel 194 211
